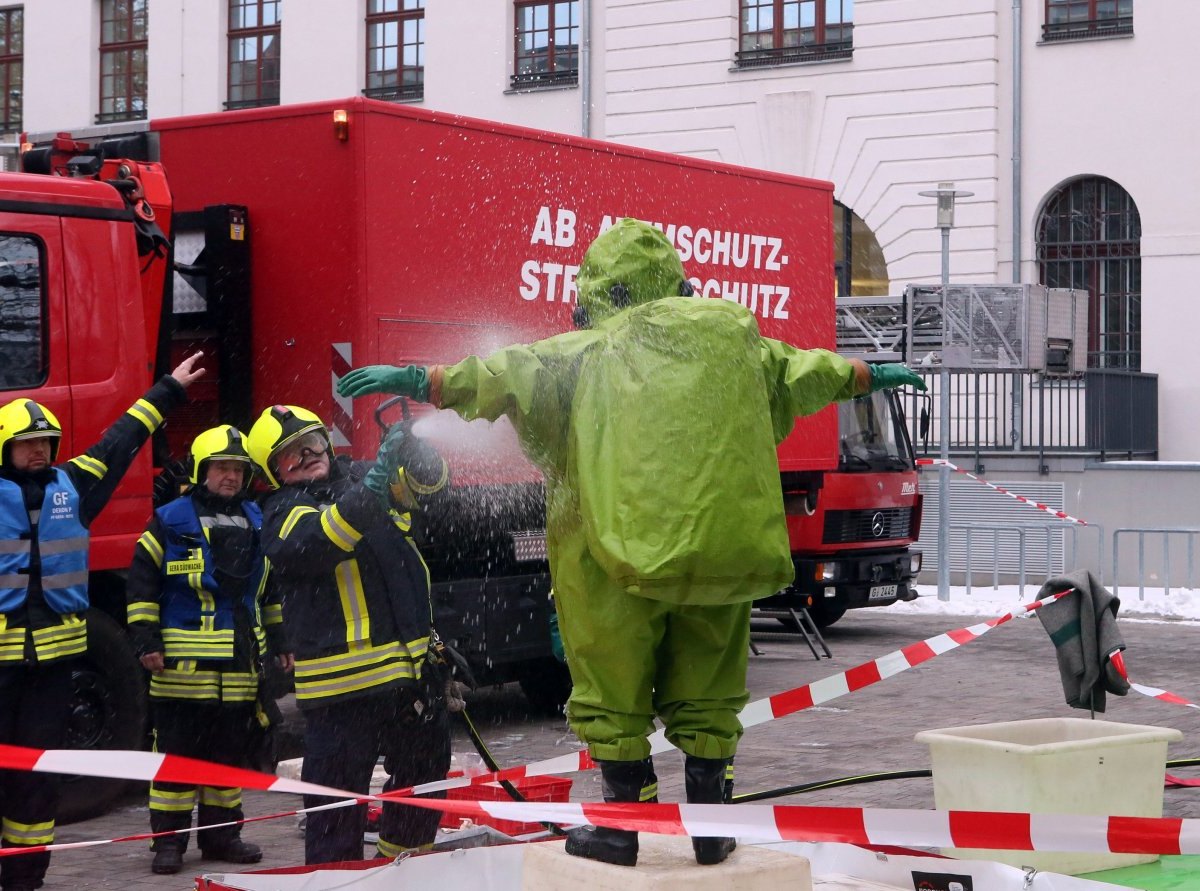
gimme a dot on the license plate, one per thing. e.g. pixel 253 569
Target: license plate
pixel 881 592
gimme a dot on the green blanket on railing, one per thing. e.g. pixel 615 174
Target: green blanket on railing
pixel 1084 631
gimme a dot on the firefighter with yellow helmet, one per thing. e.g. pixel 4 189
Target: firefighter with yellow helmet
pixel 356 608
pixel 200 627
pixel 46 508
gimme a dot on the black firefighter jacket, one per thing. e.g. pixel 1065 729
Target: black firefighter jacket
pixel 354 587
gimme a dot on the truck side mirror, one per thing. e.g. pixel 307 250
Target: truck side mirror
pixel 923 424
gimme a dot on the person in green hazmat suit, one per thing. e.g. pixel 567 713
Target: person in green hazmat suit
pixel 655 426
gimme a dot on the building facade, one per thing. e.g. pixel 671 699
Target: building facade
pixel 1066 119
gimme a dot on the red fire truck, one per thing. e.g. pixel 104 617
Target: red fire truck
pixel 307 239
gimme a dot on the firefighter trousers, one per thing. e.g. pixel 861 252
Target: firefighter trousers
pixel 213 731
pixel 410 728
pixel 632 658
pixel 35 703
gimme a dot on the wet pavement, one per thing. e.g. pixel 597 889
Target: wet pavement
pixel 1008 675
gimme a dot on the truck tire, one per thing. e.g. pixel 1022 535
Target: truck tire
pixel 108 711
pixel 546 684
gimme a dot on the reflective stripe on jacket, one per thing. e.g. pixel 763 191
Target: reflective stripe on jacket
pixel 62 545
pixel 355 589
pixel 197 620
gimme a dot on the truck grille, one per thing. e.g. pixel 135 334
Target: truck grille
pixel 845 526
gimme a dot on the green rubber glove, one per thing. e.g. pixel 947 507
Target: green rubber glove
pixel 402 380
pixel 390 458
pixel 885 376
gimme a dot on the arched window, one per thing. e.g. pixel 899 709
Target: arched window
pixel 858 263
pixel 1089 236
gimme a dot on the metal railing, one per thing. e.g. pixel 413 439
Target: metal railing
pixel 1165 534
pixel 1108 413
pixel 787 55
pixel 1088 28
pixel 1022 530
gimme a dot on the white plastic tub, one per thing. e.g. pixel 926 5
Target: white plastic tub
pixel 1051 766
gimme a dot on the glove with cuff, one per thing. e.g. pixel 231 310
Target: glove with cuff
pixel 406 468
pixel 401 380
pixel 886 376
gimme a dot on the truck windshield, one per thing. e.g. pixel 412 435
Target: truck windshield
pixel 872 436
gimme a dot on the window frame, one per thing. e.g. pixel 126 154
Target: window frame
pixel 821 49
pixel 128 49
pixel 1085 205
pixel 553 76
pixel 43 321
pixel 1092 27
pixel 259 33
pixel 398 91
pixel 11 111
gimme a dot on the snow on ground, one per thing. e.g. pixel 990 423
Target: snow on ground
pixel 1150 604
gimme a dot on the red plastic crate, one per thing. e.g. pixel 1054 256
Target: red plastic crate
pixel 547 788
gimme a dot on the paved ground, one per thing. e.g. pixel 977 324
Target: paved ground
pixel 1008 675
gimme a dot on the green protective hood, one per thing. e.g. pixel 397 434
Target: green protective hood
pixel 634 255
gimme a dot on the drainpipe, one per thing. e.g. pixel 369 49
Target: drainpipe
pixel 585 66
pixel 1017 393
pixel 1016 136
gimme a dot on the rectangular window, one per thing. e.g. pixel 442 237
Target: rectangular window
pixel 23 338
pixel 253 53
pixel 12 56
pixel 122 60
pixel 546 50
pixel 776 32
pixel 396 50
pixel 1082 19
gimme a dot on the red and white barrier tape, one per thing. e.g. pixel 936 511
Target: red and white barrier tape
pixel 763 710
pixel 153 766
pixel 872 827
pixel 171 768
pixel 937 462
pixel 861 826
pixel 829 824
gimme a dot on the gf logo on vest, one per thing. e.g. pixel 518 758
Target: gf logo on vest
pixel 62 509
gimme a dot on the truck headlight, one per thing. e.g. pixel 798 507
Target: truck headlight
pixel 914 562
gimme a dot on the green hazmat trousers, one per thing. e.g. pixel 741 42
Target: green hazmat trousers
pixel 656 432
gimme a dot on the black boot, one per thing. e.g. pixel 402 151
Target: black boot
pixel 234 851
pixel 168 857
pixel 623 781
pixel 705 781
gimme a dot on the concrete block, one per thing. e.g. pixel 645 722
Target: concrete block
pixel 666 862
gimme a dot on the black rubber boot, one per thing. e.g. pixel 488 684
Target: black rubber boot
pixel 234 851
pixel 623 781
pixel 168 857
pixel 706 783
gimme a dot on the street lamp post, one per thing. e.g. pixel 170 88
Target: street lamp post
pixel 946 195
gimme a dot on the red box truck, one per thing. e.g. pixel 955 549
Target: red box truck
pixel 307 239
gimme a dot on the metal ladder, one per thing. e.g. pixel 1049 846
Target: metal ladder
pixel 803 622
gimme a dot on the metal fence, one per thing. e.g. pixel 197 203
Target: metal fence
pixel 1057 556
pixel 1161 539
pixel 1107 413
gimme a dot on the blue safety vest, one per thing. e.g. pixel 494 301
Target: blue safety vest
pixel 196 620
pixel 62 545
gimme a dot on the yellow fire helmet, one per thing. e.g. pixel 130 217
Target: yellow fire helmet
pixel 224 443
pixel 26 419
pixel 275 428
